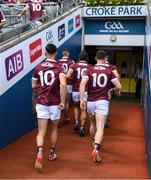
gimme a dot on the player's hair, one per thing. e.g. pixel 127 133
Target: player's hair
pixel 66 52
pixel 51 49
pixel 83 56
pixel 101 54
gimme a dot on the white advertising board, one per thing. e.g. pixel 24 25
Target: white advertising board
pixel 19 60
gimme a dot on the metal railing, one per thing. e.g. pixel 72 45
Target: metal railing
pixel 17 26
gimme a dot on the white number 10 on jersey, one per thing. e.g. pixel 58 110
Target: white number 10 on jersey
pixel 97 80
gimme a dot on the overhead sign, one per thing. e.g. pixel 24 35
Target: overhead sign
pixel 115 26
pixel 117 11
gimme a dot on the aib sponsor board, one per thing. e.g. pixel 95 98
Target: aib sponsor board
pixel 35 50
pixel 23 57
pixel 14 64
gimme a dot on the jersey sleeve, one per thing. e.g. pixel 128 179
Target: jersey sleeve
pixel 86 73
pixel 35 74
pixel 113 77
pixel 113 68
pixel 72 67
pixel 62 70
pixel 2 17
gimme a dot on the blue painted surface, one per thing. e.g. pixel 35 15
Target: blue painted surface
pixel 147 109
pixel 115 26
pixel 74 45
pixel 16 116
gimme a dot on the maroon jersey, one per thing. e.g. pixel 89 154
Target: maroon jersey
pixel 2 18
pixel 66 63
pixel 78 70
pixel 36 9
pixel 47 74
pixel 111 66
pixel 99 83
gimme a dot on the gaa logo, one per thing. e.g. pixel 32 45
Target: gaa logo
pixel 115 25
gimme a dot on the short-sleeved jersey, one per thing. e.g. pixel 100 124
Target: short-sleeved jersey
pixel 2 18
pixel 111 66
pixel 47 76
pixel 78 70
pixel 99 83
pixel 66 63
pixel 36 10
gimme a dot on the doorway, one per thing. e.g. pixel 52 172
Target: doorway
pixel 126 59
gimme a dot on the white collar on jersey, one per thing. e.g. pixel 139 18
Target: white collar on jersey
pixel 82 61
pixel 100 64
pixel 51 60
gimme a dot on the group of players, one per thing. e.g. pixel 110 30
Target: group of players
pixel 54 81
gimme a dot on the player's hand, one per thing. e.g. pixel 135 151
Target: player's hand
pixel 82 104
pixel 61 106
pixel 118 93
pixel 19 15
pixel 111 91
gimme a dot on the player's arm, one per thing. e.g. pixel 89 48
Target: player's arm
pixel 63 90
pixel 117 85
pixel 69 74
pixel 34 83
pixel 24 10
pixel 116 73
pixel 3 20
pixel 82 91
pixel 44 12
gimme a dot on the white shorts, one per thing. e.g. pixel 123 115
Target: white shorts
pixel 69 88
pixel 100 106
pixel 48 112
pixel 76 96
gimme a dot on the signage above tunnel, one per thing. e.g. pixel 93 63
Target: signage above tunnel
pixel 115 11
pixel 115 26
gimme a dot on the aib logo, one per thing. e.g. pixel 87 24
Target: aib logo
pixel 61 32
pixel 35 50
pixel 77 21
pixel 14 64
pixel 115 25
pixel 70 26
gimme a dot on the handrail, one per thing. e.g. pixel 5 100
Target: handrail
pixel 22 27
pixel 22 36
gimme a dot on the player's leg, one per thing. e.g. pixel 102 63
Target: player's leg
pixel 92 127
pixel 100 120
pixel 76 116
pixel 55 114
pixel 66 111
pixel 42 115
pixel 53 139
pixel 76 100
pixel 83 117
pixel 91 113
pixel 101 113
